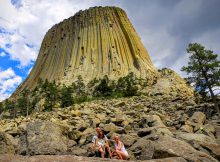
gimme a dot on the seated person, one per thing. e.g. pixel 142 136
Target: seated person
pixel 100 143
pixel 120 151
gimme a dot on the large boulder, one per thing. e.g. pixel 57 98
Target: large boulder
pixel 128 139
pixel 158 127
pixel 198 117
pixel 187 128
pixel 6 144
pixel 44 137
pixel 197 120
pixel 63 124
pixel 167 146
pixel 86 136
pixel 78 151
pixel 209 130
pixel 74 135
pixel 201 141
pixel 143 149
pixel 213 148
pixel 10 128
pixel 146 131
pixel 111 127
pixel 195 137
pixel 71 158
pixel 217 133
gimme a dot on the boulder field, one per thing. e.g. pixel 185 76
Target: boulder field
pixel 151 128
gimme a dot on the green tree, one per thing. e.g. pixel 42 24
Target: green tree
pixel 80 91
pixel 51 94
pixel 203 70
pixel 80 86
pixel 103 89
pixel 66 96
pixel 92 83
pixel 1 107
pixel 40 82
pixel 127 85
pixel 23 103
pixel 34 101
pixel 10 106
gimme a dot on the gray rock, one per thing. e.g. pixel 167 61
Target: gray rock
pixel 74 135
pixel 167 146
pixel 195 137
pixel 198 117
pixel 155 122
pixel 187 128
pixel 6 144
pixel 209 130
pixel 72 158
pixel 71 143
pixel 111 127
pixel 78 151
pixel 44 137
pixel 213 148
pixel 143 149
pixel 145 131
pixel 119 104
pixel 217 133
pixel 197 120
pixel 128 140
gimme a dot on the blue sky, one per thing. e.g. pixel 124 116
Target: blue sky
pixel 166 27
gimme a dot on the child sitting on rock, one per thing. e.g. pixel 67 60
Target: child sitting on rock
pixel 120 152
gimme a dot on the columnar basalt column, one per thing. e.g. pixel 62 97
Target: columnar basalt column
pixel 92 43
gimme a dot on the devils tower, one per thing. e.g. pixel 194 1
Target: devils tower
pixel 92 43
pixel 157 117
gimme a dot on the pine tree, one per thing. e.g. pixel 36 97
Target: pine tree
pixel 1 107
pixel 51 95
pixel 203 70
pixel 80 86
pixel 103 89
pixel 23 103
pixel 127 85
pixel 80 90
pixel 66 96
pixel 10 106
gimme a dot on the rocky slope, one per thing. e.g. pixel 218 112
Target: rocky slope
pixel 155 127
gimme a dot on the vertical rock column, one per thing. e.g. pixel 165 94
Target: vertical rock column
pixel 92 43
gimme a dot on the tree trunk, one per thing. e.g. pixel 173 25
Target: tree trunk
pixel 27 108
pixel 214 100
pixel 211 91
pixel 14 113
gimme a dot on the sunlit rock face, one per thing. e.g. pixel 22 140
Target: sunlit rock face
pixel 92 43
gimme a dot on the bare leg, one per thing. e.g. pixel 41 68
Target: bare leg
pixel 109 150
pixel 102 152
pixel 121 154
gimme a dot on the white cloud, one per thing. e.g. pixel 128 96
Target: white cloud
pixel 6 74
pixel 8 82
pixel 28 23
pixel 2 54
